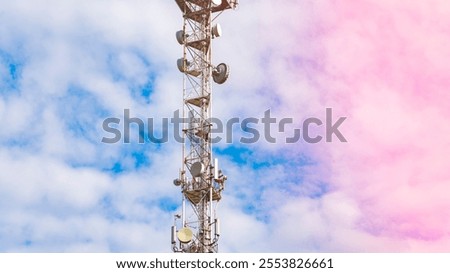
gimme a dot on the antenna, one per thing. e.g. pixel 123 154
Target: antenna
pixel 197 229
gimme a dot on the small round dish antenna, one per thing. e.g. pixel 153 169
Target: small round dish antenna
pixel 177 182
pixel 181 37
pixel 216 31
pixel 197 169
pixel 221 73
pixel 182 64
pixel 216 2
pixel 185 235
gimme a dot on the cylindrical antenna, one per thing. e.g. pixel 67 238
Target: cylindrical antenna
pixel 216 168
pixel 217 227
pixel 174 235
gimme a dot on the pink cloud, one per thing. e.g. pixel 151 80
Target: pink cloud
pixel 386 67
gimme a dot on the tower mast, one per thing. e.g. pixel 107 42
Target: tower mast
pixel 196 229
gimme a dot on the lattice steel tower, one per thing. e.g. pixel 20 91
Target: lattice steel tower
pixel 196 229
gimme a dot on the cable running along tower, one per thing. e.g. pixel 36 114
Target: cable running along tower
pixel 196 229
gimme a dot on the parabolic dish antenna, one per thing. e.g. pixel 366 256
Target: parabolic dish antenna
pixel 185 235
pixel 182 64
pixel 216 31
pixel 197 169
pixel 221 73
pixel 216 2
pixel 181 37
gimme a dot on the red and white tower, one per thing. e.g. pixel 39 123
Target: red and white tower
pixel 196 229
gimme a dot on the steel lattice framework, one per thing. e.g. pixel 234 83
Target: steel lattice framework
pixel 200 179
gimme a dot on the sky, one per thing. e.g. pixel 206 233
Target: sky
pixel 66 66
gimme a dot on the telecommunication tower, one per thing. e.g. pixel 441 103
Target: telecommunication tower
pixel 197 228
